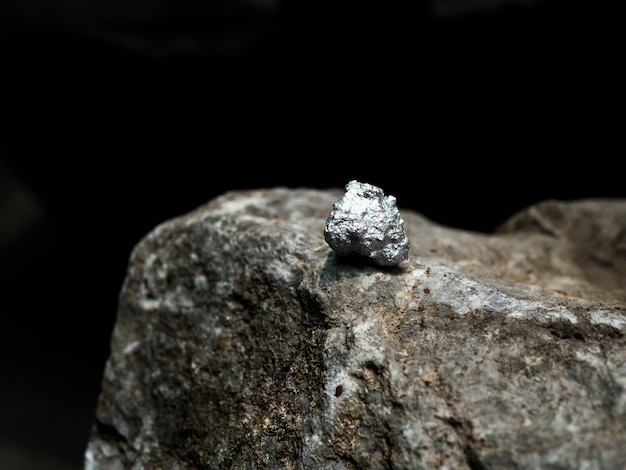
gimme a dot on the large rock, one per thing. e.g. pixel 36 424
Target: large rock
pixel 243 341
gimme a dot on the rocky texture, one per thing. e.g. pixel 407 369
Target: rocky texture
pixel 365 222
pixel 244 341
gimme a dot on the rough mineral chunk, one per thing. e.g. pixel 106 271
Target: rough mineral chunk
pixel 365 222
pixel 238 345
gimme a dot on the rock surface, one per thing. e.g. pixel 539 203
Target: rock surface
pixel 243 341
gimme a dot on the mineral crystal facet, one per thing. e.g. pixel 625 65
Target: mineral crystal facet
pixel 365 222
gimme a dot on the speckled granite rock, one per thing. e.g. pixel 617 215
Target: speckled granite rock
pixel 243 341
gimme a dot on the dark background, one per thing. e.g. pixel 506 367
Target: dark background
pixel 115 116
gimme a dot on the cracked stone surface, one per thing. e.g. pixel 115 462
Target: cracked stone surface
pixel 243 341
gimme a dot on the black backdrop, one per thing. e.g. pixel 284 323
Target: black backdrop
pixel 114 124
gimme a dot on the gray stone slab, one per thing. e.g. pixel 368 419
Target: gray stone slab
pixel 243 341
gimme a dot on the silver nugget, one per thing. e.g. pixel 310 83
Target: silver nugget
pixel 365 222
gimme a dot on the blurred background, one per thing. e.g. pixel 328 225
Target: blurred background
pixel 118 115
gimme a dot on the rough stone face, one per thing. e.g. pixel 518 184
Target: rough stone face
pixel 365 222
pixel 243 341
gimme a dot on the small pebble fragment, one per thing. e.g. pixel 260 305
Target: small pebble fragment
pixel 367 223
